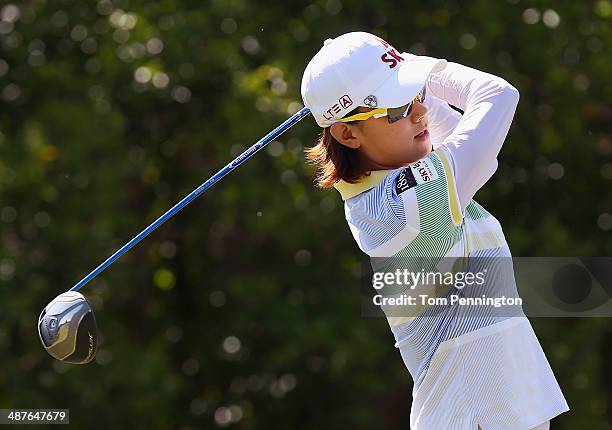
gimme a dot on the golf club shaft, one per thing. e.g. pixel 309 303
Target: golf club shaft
pixel 287 124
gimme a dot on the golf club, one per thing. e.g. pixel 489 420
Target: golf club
pixel 67 325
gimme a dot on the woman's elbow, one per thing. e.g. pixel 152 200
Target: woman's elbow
pixel 511 93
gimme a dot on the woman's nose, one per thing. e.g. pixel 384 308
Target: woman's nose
pixel 419 110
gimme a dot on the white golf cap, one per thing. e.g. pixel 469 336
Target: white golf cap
pixel 361 69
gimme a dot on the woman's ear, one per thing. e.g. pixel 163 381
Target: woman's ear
pixel 344 133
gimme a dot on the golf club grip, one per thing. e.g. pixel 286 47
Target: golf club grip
pixel 286 125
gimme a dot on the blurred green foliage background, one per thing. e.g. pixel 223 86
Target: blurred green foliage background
pixel 243 310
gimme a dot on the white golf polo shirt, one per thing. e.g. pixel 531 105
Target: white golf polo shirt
pixel 468 369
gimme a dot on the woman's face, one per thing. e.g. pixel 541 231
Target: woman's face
pixel 384 145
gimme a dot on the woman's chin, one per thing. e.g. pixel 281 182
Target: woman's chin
pixel 422 146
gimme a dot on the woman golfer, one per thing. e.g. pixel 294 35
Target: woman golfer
pixel 407 167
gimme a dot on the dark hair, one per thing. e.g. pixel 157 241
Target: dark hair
pixel 335 161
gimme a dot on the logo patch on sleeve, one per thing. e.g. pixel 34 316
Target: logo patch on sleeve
pixel 423 171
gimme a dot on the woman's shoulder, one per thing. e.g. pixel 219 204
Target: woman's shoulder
pixel 421 195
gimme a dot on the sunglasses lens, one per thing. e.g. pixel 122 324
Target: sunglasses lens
pixel 395 114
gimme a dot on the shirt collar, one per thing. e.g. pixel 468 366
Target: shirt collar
pixel 348 190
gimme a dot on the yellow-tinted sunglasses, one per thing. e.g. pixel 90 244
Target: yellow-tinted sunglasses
pixel 393 114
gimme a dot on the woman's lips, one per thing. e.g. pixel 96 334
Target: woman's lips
pixel 422 135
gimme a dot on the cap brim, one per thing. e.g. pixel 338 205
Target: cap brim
pixel 403 86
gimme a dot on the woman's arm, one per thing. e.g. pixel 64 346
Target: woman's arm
pixel 489 104
pixel 441 119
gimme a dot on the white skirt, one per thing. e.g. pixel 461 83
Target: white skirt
pixel 497 377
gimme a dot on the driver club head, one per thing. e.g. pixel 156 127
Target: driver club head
pixel 67 328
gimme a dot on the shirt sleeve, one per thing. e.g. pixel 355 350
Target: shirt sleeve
pixel 489 104
pixel 441 120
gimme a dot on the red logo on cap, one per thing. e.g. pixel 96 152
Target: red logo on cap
pixel 392 58
pixel 345 101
